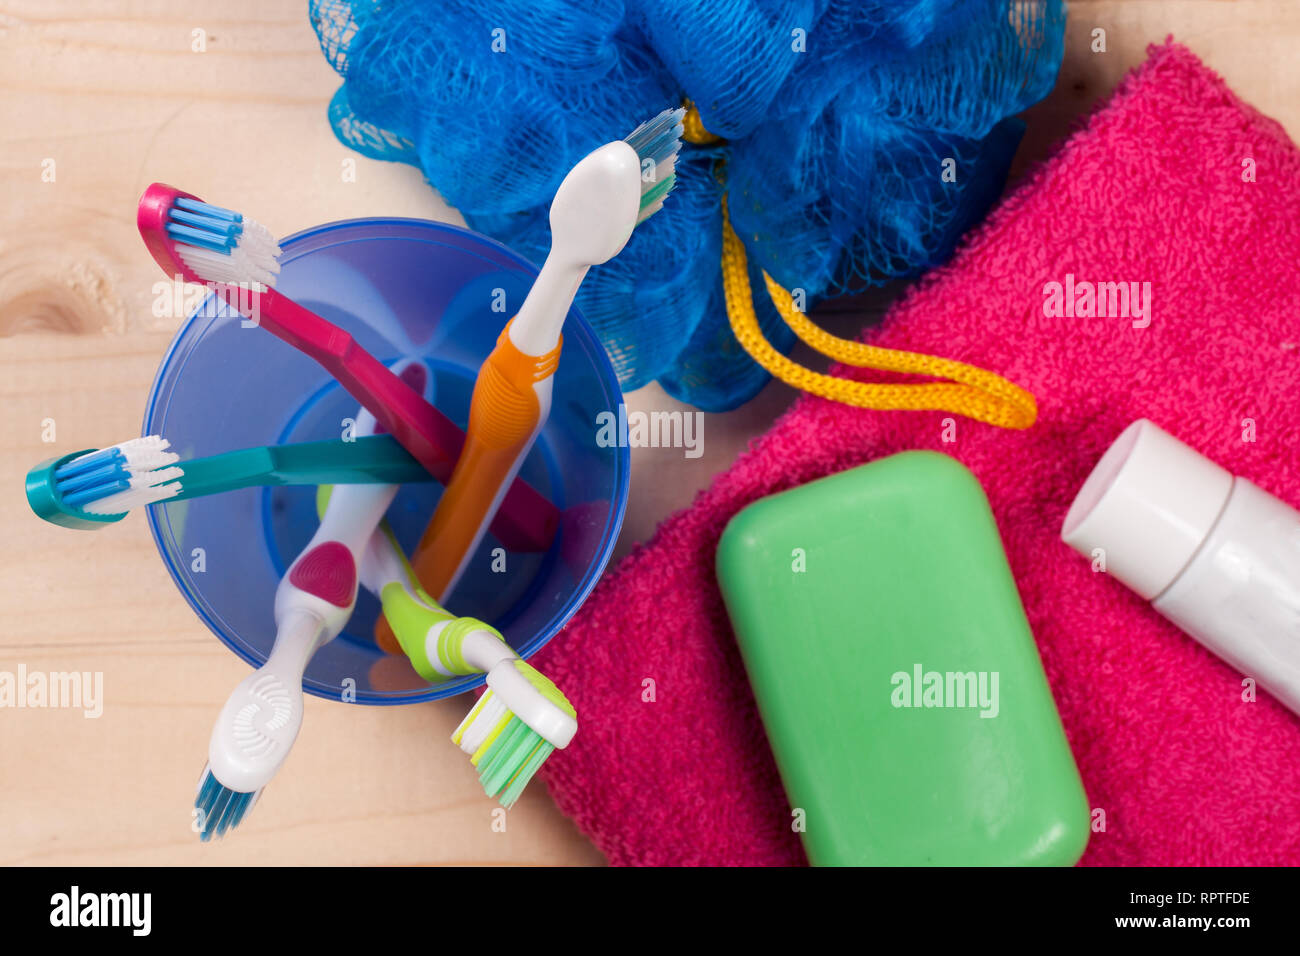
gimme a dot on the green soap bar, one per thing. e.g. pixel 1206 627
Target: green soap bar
pixel 842 593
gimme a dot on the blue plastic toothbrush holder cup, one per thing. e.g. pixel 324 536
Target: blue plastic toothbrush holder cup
pixel 401 287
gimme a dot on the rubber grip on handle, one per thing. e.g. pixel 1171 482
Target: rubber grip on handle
pixel 327 571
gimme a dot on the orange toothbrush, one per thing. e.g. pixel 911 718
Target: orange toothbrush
pixel 598 205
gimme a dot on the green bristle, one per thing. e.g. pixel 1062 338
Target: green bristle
pixel 658 191
pixel 505 755
pixel 534 763
pixel 512 760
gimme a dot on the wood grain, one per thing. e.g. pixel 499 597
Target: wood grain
pixel 114 95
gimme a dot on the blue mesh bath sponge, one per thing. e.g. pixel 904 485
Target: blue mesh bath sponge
pixel 856 140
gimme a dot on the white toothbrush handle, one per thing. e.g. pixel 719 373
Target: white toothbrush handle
pixel 535 329
pixel 381 565
pixel 592 217
pixel 259 723
pixel 257 728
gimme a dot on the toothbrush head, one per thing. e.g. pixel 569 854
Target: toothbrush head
pixel 612 189
pixel 519 721
pixel 204 243
pixel 89 489
pixel 657 142
pixel 596 207
pixel 252 738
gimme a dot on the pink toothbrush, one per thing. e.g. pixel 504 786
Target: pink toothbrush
pixel 237 258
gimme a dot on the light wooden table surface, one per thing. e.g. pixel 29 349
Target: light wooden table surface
pixel 113 96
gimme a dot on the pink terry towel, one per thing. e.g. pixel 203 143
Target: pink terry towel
pixel 1174 182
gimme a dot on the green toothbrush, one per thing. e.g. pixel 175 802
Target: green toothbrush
pixel 522 717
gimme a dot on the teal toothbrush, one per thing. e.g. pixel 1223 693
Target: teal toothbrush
pixel 93 488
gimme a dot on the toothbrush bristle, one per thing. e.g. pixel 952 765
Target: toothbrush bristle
pixel 146 489
pixel 486 713
pixel 652 200
pixel 116 479
pixel 220 245
pixel 503 733
pixel 220 808
pixel 506 751
pixel 657 140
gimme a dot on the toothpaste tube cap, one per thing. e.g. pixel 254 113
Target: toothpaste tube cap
pixel 1148 505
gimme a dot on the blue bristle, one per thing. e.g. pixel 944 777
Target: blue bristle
pixel 206 223
pixel 217 814
pixel 88 462
pixel 200 224
pixel 658 138
pixel 109 471
pixel 222 808
pixel 217 242
pixel 79 499
pixel 209 226
pixel 96 476
pixel 207 209
pixel 239 808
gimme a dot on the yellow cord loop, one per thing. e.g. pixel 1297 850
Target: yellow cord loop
pixel 970 391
